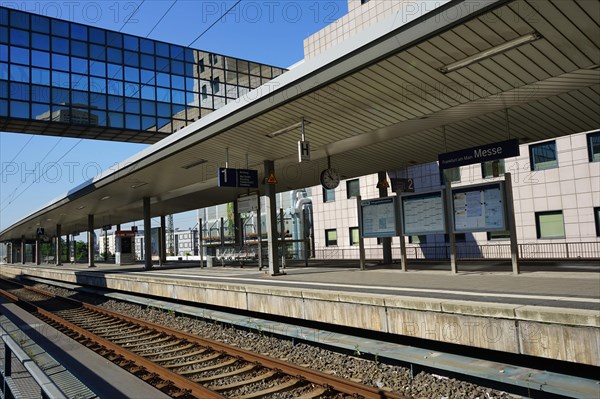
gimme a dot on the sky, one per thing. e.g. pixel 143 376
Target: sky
pixel 37 169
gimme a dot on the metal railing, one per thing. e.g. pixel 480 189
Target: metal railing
pixel 473 251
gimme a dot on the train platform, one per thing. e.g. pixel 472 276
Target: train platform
pixel 549 310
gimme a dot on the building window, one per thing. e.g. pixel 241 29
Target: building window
pixel 543 156
pixel 204 92
pixel 364 2
pixel 594 146
pixel 550 224
pixel 216 84
pixel 498 235
pixel 421 239
pixel 330 237
pixel 450 175
pixel 488 168
pixel 597 220
pixel 328 195
pixel 352 188
pixel 354 235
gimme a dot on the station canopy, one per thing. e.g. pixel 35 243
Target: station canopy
pixel 394 95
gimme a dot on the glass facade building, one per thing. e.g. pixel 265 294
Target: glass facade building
pixel 68 79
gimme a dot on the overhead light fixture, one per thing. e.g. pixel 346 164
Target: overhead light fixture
pixel 105 198
pixel 287 129
pixel 81 207
pixel 519 41
pixel 137 185
pixel 195 163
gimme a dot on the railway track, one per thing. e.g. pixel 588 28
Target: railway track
pixel 180 364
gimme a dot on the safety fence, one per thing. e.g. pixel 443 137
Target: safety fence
pixel 472 251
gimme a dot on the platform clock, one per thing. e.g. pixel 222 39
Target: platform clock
pixel 330 178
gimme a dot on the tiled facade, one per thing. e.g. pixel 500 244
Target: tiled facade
pixel 571 188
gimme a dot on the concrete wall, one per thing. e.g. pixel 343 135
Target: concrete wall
pixel 563 334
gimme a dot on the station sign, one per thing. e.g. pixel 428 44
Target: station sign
pixel 241 178
pixel 479 154
pixel 247 204
pixel 403 185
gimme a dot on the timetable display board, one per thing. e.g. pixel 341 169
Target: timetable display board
pixel 423 213
pixel 379 217
pixel 479 208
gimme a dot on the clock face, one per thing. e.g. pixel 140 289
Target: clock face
pixel 330 179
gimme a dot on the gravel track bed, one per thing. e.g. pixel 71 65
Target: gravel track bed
pixel 378 374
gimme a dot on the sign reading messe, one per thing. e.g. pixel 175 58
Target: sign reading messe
pixel 479 154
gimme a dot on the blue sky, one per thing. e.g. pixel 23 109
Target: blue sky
pixel 37 169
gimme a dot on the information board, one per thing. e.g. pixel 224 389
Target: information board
pixel 479 208
pixel 423 213
pixel 247 204
pixel 379 217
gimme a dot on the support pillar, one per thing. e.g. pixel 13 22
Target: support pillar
pixel 147 235
pixel 271 213
pixel 361 240
pixel 259 233
pixel 38 250
pixel 68 245
pixel 200 246
pixel 162 241
pixel 237 223
pixel 23 250
pixel 512 226
pixel 450 228
pixel 386 242
pixel 91 241
pixel 59 248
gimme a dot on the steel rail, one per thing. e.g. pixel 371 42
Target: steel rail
pixel 309 375
pixel 166 375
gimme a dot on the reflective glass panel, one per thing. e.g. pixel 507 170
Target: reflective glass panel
pixel 163 79
pixel 79 82
pixel 97 52
pixel 148 107
pixel 19 37
pixel 79 32
pixel 131 59
pixel 178 97
pixel 60 96
pixel 132 106
pixel 162 64
pixel 115 119
pixel 39 41
pixel 114 55
pixel 97 85
pixel 132 122
pixel 132 90
pixel 147 46
pixel 40 111
pixel 19 73
pixel 79 65
pixel 3 16
pixel 98 118
pixel 3 34
pixel 3 88
pixel 115 71
pixel 40 76
pixel 19 109
pixel 60 45
pixel 148 77
pixel 177 67
pixel 177 82
pixel 132 74
pixel 148 92
pixel 98 68
pixel 148 123
pixel 162 49
pixel 3 107
pixel 131 43
pixel 19 55
pixel 60 79
pixel 40 58
pixel 177 52
pixel 115 87
pixel 97 36
pixel 3 52
pixel 40 23
pixel 163 110
pixel 40 94
pixel 115 103
pixel 163 94
pixel 79 49
pixel 19 19
pixel 19 91
pixel 60 62
pixel 98 100
pixel 147 61
pixel 80 98
pixel 114 39
pixel 60 28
